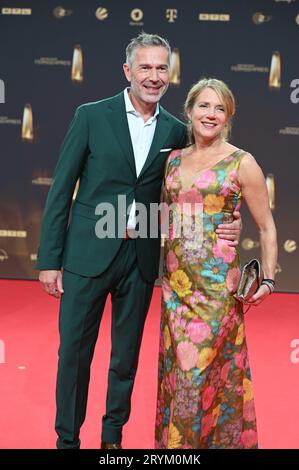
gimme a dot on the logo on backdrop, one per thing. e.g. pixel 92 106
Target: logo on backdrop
pixel 77 65
pixel 101 13
pixel 294 96
pixel 249 244
pixel 3 255
pixel 2 92
pixel 270 182
pixel 214 17
pixel 175 67
pixel 285 1
pixel 260 18
pixel 136 17
pixel 289 131
pixel 275 71
pixel 13 233
pixel 60 12
pixel 171 15
pixel 27 124
pixel 290 246
pixel 16 11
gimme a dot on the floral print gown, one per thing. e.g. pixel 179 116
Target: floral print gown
pixel 205 395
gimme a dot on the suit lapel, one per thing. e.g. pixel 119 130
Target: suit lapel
pixel 162 130
pixel 119 123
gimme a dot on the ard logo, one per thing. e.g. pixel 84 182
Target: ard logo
pixel 2 91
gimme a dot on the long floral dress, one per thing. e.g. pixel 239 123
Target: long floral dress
pixel 205 397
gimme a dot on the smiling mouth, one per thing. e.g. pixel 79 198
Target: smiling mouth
pixel 209 125
pixel 153 89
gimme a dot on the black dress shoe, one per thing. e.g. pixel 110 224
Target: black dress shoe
pixel 109 445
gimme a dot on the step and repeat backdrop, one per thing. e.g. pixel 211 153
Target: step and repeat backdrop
pixel 55 56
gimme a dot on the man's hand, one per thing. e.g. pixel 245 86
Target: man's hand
pixel 52 282
pixel 231 231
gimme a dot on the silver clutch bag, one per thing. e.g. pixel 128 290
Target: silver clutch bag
pixel 250 280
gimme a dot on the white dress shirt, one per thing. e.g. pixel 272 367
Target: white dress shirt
pixel 142 134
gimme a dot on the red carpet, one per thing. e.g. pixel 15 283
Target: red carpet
pixel 28 335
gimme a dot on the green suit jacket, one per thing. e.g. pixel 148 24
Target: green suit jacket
pixel 98 150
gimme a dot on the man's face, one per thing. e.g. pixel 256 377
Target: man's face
pixel 148 74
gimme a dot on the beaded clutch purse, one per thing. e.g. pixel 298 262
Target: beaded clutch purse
pixel 250 280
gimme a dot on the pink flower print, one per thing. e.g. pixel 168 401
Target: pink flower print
pixel 249 438
pixel 222 250
pixel 198 330
pixel 206 424
pixel 187 355
pixel 171 262
pixel 233 175
pixel 232 279
pixel 240 359
pixel 187 201
pixel 199 296
pixel 205 179
pixel 225 188
pixel 172 380
pixel 208 397
pixel 224 371
pixel 249 411
pixel 166 290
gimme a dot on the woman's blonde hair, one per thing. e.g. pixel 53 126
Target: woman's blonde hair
pixel 224 94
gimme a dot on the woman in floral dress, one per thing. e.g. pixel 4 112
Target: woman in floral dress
pixel 205 397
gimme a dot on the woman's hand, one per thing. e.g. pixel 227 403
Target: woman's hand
pixel 259 296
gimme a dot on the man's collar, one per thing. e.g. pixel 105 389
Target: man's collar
pixel 130 108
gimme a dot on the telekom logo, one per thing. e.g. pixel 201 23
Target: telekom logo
pixel 2 92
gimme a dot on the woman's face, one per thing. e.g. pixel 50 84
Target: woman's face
pixel 208 115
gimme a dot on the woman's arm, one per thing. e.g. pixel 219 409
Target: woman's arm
pixel 255 193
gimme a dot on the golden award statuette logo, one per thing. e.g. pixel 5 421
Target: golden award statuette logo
pixel 136 15
pixel 77 65
pixel 60 12
pixel 175 67
pixel 275 71
pixel 249 244
pixel 290 246
pixel 260 18
pixel 101 13
pixel 27 124
pixel 271 190
pixel 171 15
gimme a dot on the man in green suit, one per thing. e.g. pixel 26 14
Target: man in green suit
pixel 117 146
